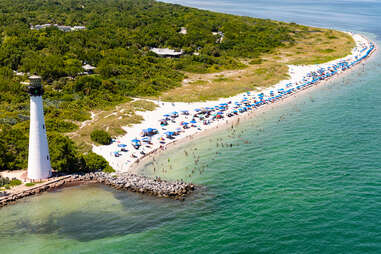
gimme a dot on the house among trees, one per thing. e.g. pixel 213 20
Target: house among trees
pixel 183 30
pixel 62 28
pixel 220 35
pixel 166 52
pixel 76 28
pixel 88 69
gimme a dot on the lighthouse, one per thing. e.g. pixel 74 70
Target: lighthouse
pixel 38 159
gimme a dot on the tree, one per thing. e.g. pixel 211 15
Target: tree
pixel 92 162
pixel 63 153
pixel 100 137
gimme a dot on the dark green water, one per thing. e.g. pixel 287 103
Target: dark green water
pixel 305 177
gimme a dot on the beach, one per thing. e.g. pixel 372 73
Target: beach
pixel 172 123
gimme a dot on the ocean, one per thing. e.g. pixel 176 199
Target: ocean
pixel 303 177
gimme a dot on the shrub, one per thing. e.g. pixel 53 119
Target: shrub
pixel 4 181
pixel 15 182
pixel 256 61
pixel 63 153
pixel 92 162
pixel 30 184
pixel 100 137
pixel 59 125
pixel 108 169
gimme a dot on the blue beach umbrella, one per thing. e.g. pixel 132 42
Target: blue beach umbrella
pixel 146 139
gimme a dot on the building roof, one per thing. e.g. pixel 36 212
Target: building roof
pixel 88 67
pixel 166 52
pixel 34 77
pixel 62 28
pixel 183 30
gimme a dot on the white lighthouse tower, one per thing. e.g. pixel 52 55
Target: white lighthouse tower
pixel 38 159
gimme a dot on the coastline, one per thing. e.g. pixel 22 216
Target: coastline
pixel 128 178
pixel 125 163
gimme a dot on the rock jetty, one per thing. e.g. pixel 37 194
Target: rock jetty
pixel 130 182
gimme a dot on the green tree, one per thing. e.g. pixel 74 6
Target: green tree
pixel 92 162
pixel 63 153
pixel 100 137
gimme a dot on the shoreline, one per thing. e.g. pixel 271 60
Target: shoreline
pixel 130 180
pixel 126 163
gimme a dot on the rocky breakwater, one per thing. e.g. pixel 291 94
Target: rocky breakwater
pixel 129 182
pixel 142 184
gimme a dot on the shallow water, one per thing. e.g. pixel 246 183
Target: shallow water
pixel 301 178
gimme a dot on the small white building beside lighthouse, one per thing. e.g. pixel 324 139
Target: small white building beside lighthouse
pixel 39 166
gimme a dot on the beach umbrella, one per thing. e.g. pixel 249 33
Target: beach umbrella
pixel 197 110
pixel 135 140
pixel 193 121
pixel 166 115
pixel 122 145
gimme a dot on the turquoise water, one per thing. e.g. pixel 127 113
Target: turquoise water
pixel 305 177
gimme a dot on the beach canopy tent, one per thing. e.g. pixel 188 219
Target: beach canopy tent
pixel 149 132
pixel 163 122
pixel 169 134
pixel 136 143
pixel 146 139
pixel 197 110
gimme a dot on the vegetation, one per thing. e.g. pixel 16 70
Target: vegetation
pixel 15 182
pixel 100 137
pixel 117 41
pixel 7 183
pixel 4 181
pixel 94 162
pixel 112 120
pixel 316 45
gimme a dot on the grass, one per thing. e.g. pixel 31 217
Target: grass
pixel 111 120
pixel 312 46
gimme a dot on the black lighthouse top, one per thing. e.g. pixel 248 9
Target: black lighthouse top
pixel 35 87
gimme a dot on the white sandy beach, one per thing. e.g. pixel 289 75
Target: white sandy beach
pixel 299 75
